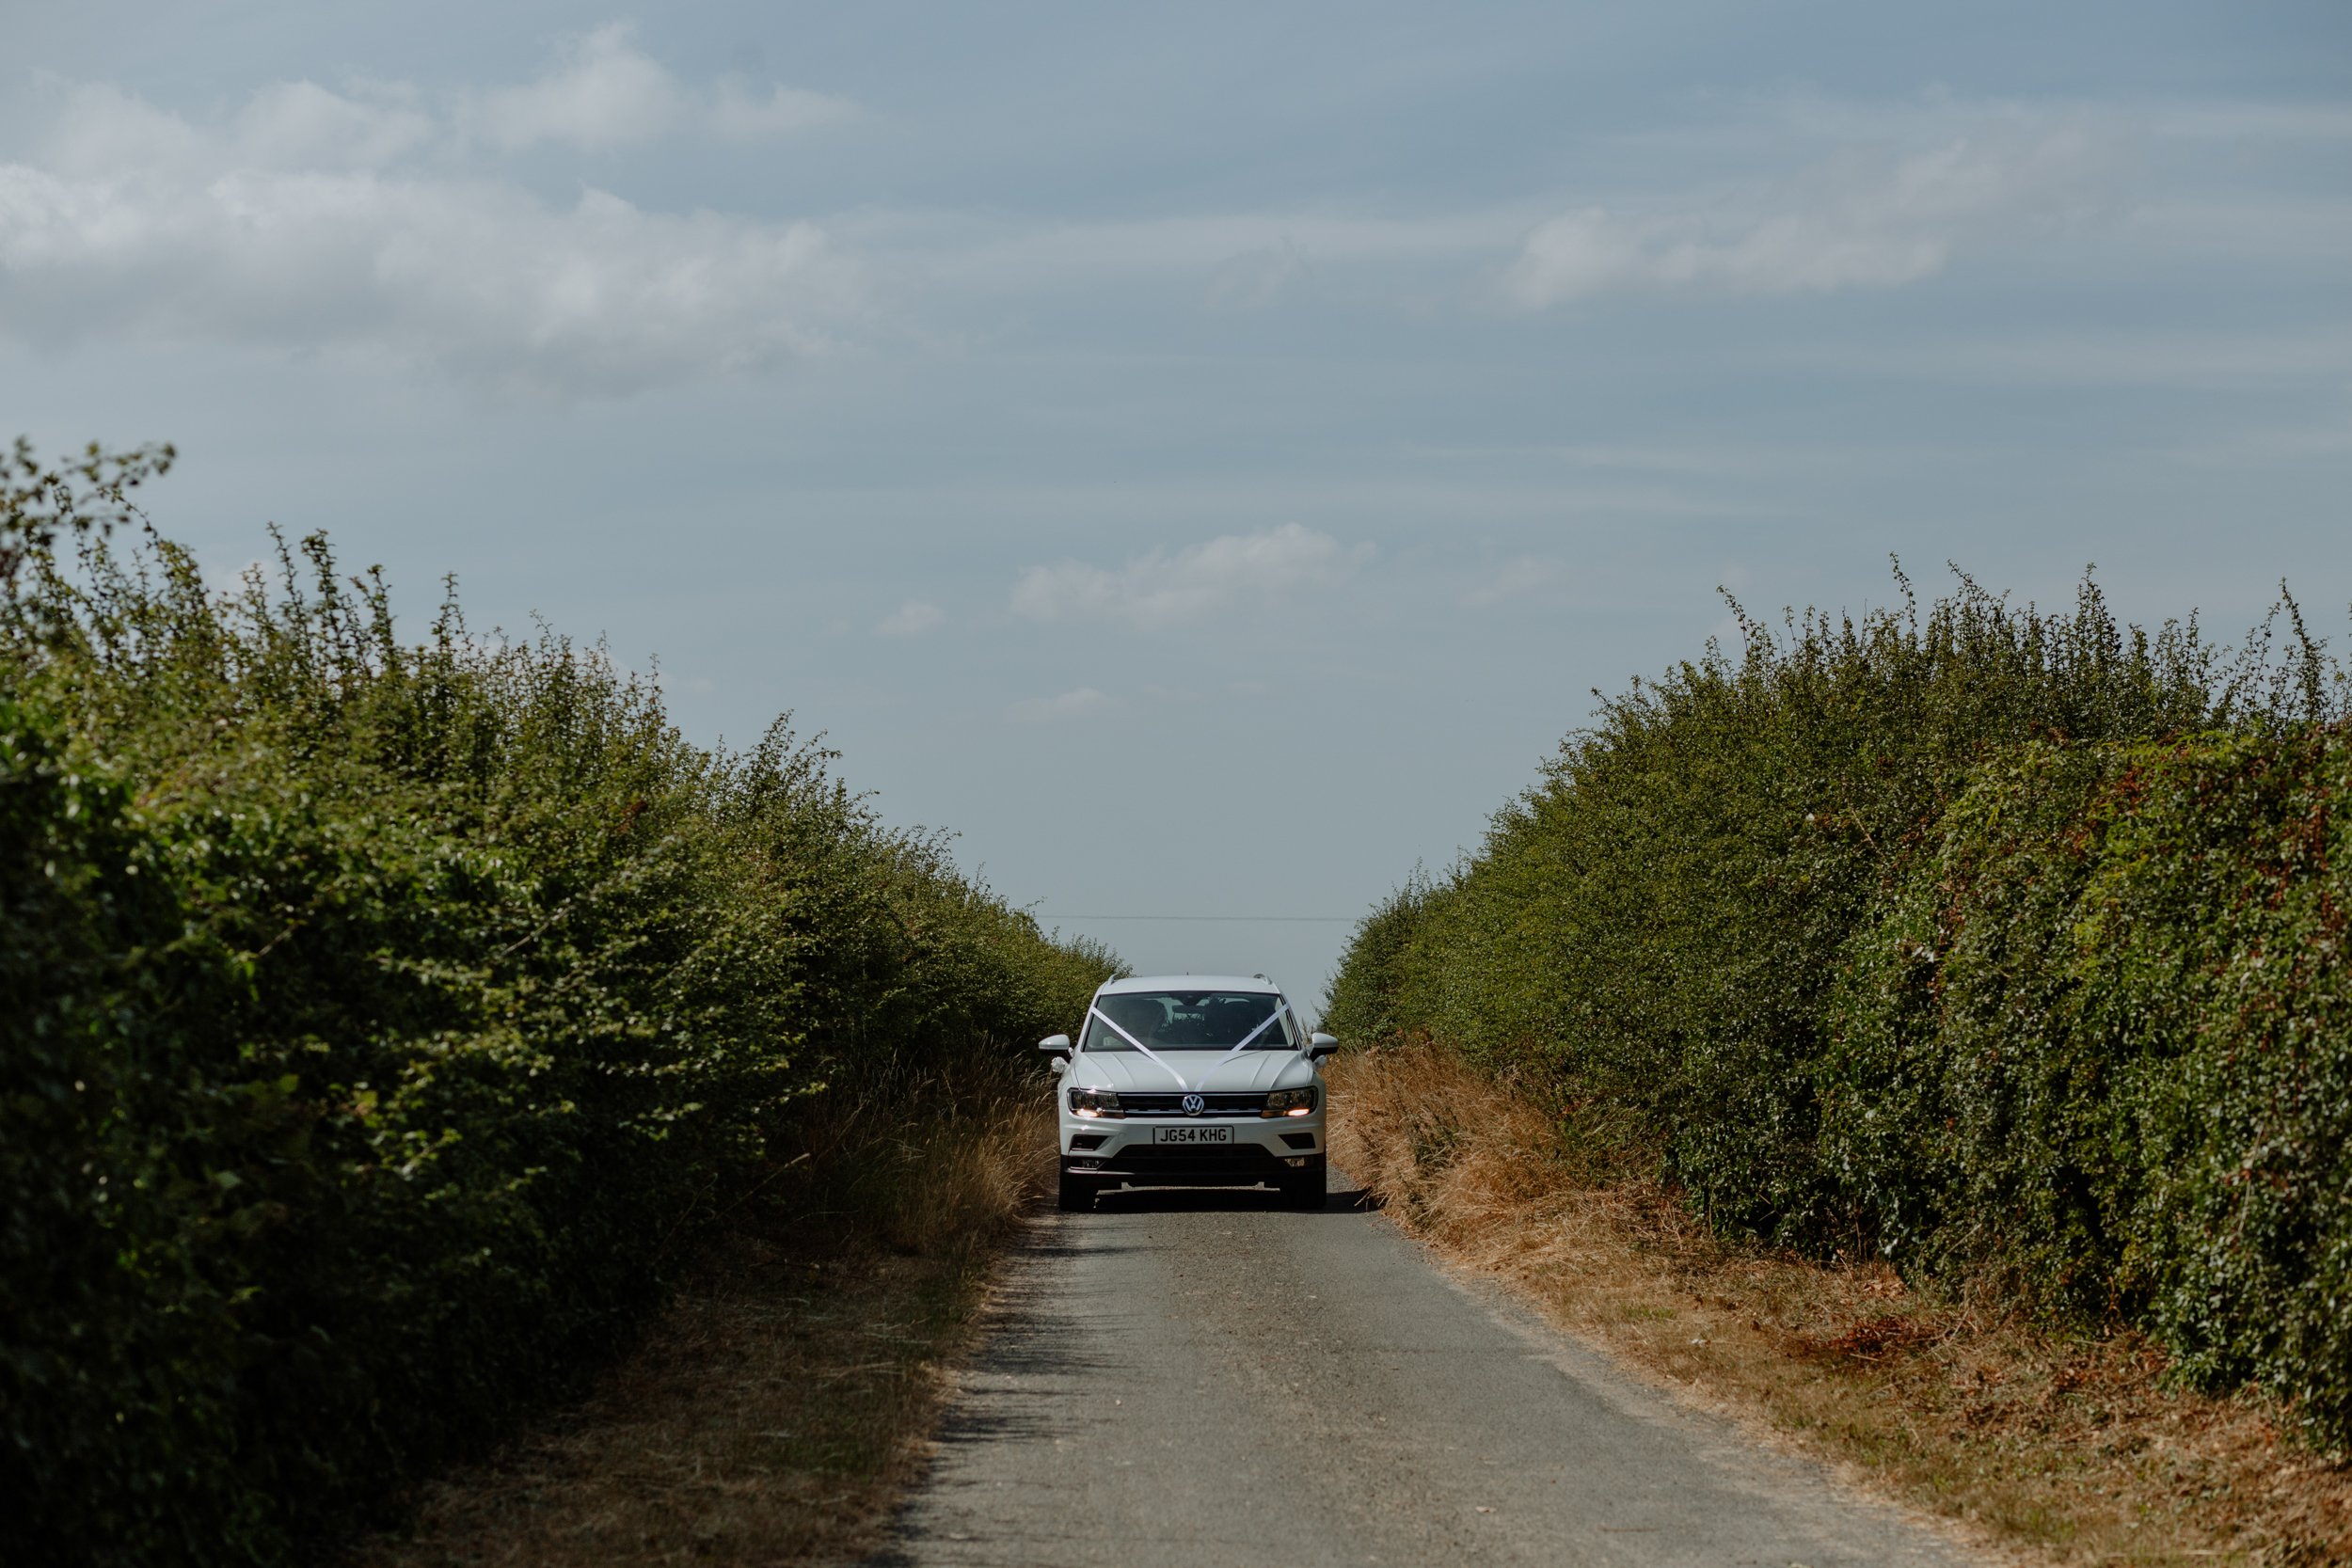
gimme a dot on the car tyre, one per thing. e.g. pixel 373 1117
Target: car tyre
pixel 1075 1194
pixel 1303 1189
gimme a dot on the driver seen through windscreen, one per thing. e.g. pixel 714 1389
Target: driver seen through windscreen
pixel 1188 1020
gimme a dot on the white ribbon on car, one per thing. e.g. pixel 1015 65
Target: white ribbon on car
pixel 1240 1047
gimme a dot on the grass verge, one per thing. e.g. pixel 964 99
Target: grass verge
pixel 776 1409
pixel 2071 1447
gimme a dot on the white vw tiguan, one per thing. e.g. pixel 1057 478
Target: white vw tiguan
pixel 1190 1080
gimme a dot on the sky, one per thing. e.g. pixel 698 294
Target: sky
pixel 1205 456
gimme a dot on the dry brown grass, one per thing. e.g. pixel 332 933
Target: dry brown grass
pixel 2068 1448
pixel 776 1409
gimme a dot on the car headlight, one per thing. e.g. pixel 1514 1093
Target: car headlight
pixel 1094 1102
pixel 1290 1102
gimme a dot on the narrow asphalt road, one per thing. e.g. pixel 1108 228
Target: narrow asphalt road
pixel 1202 1379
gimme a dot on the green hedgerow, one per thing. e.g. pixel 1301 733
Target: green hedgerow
pixel 381 1019
pixel 2004 943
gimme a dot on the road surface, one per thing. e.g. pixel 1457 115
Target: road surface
pixel 1201 1379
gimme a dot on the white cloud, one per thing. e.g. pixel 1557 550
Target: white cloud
pixel 1525 575
pixel 1164 589
pixel 2238 122
pixel 313 220
pixel 1236 260
pixel 1860 221
pixel 470 276
pixel 1255 278
pixel 735 114
pixel 2268 448
pixel 2316 358
pixel 605 93
pixel 101 134
pixel 911 619
pixel 301 125
pixel 1081 703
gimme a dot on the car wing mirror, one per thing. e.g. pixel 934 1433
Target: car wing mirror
pixel 1056 1046
pixel 1320 1045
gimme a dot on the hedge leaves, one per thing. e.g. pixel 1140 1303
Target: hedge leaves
pixel 379 1020
pixel 2007 944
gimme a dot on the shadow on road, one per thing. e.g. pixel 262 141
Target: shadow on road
pixel 1165 1200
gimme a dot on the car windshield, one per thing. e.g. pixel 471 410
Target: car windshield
pixel 1189 1021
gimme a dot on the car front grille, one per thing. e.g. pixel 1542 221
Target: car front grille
pixel 1173 1104
pixel 1154 1158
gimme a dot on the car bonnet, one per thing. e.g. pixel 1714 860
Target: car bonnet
pixel 1201 1069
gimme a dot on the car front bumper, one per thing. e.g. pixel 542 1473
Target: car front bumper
pixel 1256 1149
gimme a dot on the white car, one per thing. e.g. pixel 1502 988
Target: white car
pixel 1190 1080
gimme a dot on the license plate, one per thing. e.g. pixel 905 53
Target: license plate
pixel 1192 1134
